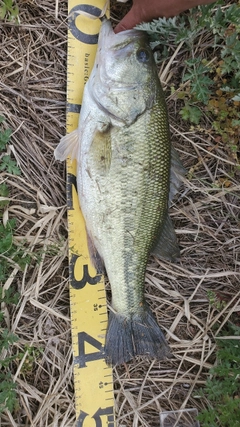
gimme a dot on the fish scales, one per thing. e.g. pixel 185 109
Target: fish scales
pixel 123 151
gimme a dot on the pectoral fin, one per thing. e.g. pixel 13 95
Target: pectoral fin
pixel 100 153
pixel 167 246
pixel 96 259
pixel 68 146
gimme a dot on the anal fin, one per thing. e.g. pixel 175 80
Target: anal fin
pixel 177 173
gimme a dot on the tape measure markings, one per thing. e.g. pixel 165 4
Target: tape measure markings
pixel 92 377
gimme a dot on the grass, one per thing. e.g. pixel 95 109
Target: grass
pixel 193 299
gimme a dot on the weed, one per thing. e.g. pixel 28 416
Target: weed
pixel 214 301
pixel 8 395
pixel 4 135
pixel 31 355
pixel 6 163
pixel 9 165
pixel 9 254
pixel 8 392
pixel 200 83
pixel 210 88
pixel 9 10
pixel 12 254
pixel 191 112
pixel 222 389
pixel 4 193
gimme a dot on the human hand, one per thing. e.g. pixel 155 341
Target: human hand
pixel 146 10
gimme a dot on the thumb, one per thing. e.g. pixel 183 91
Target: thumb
pixel 129 21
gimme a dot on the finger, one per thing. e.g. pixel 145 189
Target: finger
pixel 129 21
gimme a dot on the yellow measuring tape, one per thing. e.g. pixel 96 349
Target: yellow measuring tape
pixel 92 377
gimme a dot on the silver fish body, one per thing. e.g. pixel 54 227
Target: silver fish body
pixel 124 183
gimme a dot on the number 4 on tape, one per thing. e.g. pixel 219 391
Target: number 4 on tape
pixel 92 377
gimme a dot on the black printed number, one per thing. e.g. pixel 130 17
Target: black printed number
pixel 83 358
pixel 97 417
pixel 71 182
pixel 86 278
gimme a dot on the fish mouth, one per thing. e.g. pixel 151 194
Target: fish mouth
pixel 118 45
pixel 108 39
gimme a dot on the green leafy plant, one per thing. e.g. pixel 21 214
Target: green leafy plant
pixel 215 301
pixel 208 87
pixel 8 395
pixel 4 192
pixel 12 254
pixel 222 389
pixel 8 388
pixel 191 113
pixel 6 163
pixel 4 135
pixel 220 79
pixel 9 165
pixel 200 83
pixel 9 255
pixel 30 354
pixel 9 10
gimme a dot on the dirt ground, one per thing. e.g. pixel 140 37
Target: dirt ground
pixel 205 215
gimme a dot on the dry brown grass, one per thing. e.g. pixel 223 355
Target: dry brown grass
pixel 206 217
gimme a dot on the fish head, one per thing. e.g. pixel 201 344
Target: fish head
pixel 124 81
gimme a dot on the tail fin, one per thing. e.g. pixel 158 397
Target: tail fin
pixel 131 336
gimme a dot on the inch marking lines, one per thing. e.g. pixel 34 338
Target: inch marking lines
pixel 92 377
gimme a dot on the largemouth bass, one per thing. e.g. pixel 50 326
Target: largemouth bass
pixel 124 158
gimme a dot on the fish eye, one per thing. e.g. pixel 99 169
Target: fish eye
pixel 143 55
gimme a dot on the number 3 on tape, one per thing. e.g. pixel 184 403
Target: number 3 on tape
pixel 92 377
